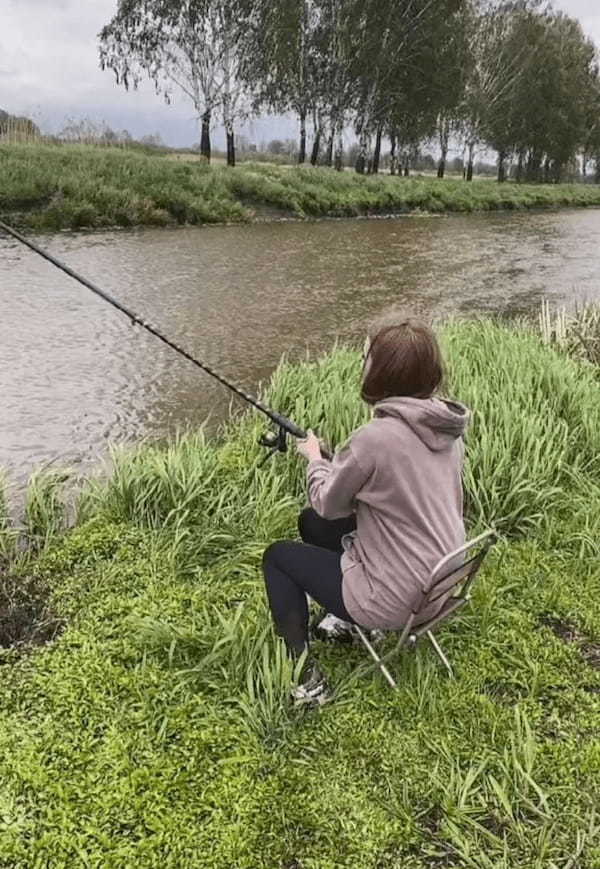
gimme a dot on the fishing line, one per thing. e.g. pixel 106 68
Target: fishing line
pixel 275 442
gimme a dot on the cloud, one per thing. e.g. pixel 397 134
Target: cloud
pixel 50 70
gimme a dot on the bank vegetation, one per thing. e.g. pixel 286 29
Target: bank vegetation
pixel 151 724
pixel 52 187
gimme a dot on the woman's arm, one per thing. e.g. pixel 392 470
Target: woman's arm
pixel 333 486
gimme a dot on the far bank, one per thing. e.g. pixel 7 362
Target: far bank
pixel 50 187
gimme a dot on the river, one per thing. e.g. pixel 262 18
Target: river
pixel 76 376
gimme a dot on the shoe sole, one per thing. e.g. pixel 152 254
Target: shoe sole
pixel 319 700
pixel 347 639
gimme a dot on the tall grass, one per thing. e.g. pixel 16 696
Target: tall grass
pixel 534 440
pixel 48 186
pixel 45 509
pixel 575 332
pixel 218 648
pixel 8 534
pixel 536 424
pixel 19 130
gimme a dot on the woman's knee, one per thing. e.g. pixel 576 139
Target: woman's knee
pixel 273 554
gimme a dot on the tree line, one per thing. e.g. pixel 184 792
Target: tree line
pixel 518 78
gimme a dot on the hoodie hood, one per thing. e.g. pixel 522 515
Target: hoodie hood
pixel 438 423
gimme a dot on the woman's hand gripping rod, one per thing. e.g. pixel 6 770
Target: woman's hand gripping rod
pixel 276 442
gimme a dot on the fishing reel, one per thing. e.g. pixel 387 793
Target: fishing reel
pixel 274 442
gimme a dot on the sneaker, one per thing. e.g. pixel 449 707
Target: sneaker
pixel 312 689
pixel 334 630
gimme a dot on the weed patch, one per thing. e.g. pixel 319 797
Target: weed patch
pixel 26 617
pixel 590 652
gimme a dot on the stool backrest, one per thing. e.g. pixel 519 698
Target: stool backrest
pixel 453 576
pixel 451 579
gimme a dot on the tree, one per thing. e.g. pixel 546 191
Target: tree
pixel 508 74
pixel 334 47
pixel 494 61
pixel 152 140
pixel 543 117
pixel 279 57
pixel 573 71
pixel 591 133
pixel 190 45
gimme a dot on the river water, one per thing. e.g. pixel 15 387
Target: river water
pixel 75 376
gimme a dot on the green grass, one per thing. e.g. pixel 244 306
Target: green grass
pixel 156 731
pixel 51 187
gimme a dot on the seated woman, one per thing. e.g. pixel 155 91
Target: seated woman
pixel 384 511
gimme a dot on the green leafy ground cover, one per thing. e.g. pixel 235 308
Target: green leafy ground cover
pixel 50 187
pixel 155 730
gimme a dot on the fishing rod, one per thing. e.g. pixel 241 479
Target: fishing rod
pixel 273 441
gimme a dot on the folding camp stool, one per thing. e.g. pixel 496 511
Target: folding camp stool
pixel 447 578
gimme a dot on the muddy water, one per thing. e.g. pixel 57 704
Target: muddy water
pixel 75 376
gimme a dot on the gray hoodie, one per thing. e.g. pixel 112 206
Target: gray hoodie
pixel 401 474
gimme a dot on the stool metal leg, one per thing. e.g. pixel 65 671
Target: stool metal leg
pixel 440 654
pixel 375 656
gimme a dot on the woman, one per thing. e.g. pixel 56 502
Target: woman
pixel 384 511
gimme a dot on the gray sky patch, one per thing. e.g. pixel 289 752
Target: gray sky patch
pixel 50 72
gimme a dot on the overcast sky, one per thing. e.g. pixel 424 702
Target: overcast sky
pixel 49 71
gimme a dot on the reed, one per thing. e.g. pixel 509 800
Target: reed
pixel 575 332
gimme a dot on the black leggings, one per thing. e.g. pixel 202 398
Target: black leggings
pixel 292 570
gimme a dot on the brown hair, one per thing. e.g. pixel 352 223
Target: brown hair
pixel 402 360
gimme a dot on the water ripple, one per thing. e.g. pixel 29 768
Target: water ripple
pixel 75 376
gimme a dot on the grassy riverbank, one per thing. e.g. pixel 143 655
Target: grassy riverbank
pixel 155 730
pixel 51 187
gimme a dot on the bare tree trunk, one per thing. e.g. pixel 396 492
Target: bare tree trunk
pixel 501 167
pixel 534 166
pixel 546 171
pixel 316 149
pixel 302 151
pixel 228 121
pixel 205 135
pixel 230 144
pixel 470 161
pixel 520 167
pixel 393 158
pixel 314 157
pixel 363 146
pixel 444 136
pixel 339 151
pixel 557 171
pixel 377 152
pixel 328 161
pixel 406 170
